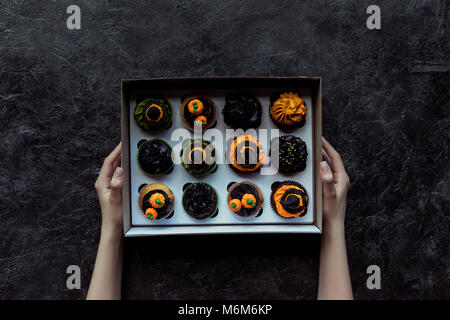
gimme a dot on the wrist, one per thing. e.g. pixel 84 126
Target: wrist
pixel 112 231
pixel 333 228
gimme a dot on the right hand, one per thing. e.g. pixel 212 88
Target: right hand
pixel 335 184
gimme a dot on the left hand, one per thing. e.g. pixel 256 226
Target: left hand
pixel 335 184
pixel 109 190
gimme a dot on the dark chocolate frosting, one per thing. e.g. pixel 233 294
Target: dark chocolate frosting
pixel 162 212
pixel 292 153
pixel 200 200
pixel 155 157
pixel 242 111
pixel 290 202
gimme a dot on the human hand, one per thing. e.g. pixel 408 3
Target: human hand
pixel 335 184
pixel 109 190
pixel 334 275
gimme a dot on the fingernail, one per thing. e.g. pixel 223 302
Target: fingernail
pixel 324 166
pixel 119 172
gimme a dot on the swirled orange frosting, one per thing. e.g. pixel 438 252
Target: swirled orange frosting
pixel 280 193
pixel 233 150
pixel 288 109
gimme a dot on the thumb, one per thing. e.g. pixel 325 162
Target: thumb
pixel 326 176
pixel 117 182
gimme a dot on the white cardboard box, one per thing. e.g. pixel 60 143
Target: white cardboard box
pixel 135 224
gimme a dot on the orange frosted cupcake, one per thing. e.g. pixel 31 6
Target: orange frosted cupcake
pixel 289 199
pixel 288 110
pixel 245 154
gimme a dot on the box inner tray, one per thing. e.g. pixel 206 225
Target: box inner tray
pixel 224 174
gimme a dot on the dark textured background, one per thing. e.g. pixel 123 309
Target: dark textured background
pixel 386 109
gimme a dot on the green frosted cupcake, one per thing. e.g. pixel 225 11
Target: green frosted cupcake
pixel 153 114
pixel 198 157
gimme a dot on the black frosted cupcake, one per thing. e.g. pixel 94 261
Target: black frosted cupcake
pixel 288 110
pixel 156 201
pixel 245 199
pixel 200 200
pixel 198 157
pixel 153 114
pixel 291 152
pixel 198 110
pixel 155 157
pixel 242 111
pixel 289 199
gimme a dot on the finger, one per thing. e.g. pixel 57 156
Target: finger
pixel 114 166
pixel 336 160
pixel 109 165
pixel 326 158
pixel 117 182
pixel 326 176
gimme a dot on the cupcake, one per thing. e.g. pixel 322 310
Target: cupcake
pixel 245 199
pixel 200 200
pixel 245 154
pixel 156 201
pixel 198 110
pixel 198 157
pixel 289 199
pixel 153 114
pixel 291 152
pixel 242 111
pixel 155 157
pixel 288 110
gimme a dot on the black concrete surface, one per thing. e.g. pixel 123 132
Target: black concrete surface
pixel 386 109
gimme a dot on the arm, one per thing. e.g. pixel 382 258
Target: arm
pixel 334 275
pixel 106 281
